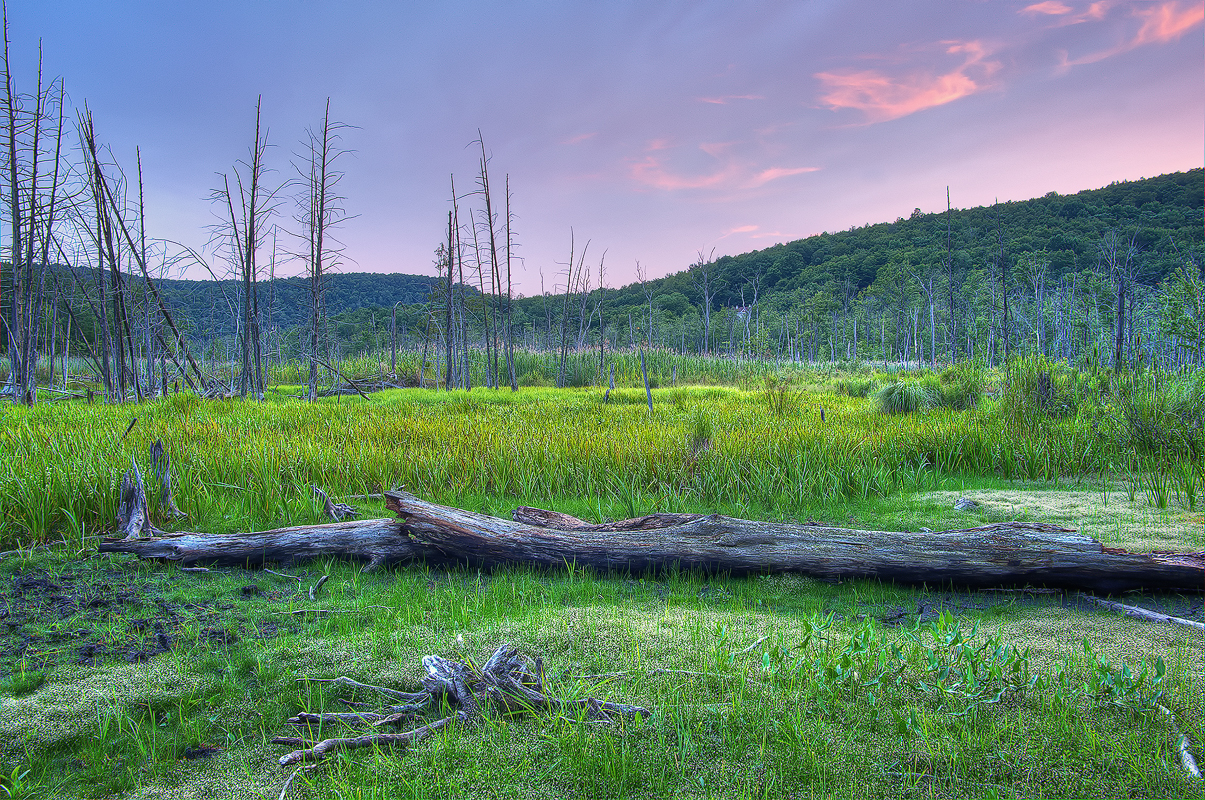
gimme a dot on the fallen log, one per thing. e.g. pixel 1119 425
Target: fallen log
pixel 376 541
pixel 1001 554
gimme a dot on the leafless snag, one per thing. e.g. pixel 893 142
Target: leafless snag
pixel 321 211
pixel 162 464
pixel 133 516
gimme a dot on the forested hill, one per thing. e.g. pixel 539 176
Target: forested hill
pixel 206 308
pixel 1161 215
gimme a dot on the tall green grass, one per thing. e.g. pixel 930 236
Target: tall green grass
pixel 247 464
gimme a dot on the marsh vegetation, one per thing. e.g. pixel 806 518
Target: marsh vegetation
pixel 134 679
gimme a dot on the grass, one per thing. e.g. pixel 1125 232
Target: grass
pixel 832 701
pixel 244 465
pixel 120 678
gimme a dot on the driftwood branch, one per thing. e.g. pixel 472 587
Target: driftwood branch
pixel 1002 554
pixel 1142 613
pixel 507 683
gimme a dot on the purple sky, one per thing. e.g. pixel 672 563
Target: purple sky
pixel 654 129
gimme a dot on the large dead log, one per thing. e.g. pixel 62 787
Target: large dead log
pixel 377 541
pixel 1008 553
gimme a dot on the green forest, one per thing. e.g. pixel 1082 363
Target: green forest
pixel 930 288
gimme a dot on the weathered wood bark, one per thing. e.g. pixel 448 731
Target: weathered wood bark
pixel 377 541
pixel 1009 553
pixel 564 522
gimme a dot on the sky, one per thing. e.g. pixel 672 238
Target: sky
pixel 654 131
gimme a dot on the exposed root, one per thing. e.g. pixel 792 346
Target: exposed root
pixel 508 683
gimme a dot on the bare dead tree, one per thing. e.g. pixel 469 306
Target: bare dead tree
pixel 321 212
pixel 490 228
pixel 249 204
pixel 1120 258
pixel 1002 272
pixel 34 128
pixel 705 280
pixel 572 272
pixel 482 267
pixel 950 279
pixel 510 317
pixel 110 212
pixel 448 300
pixel 649 290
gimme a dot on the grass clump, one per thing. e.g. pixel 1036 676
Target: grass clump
pixel 1164 416
pixel 961 386
pixel 780 396
pixel 23 682
pixel 908 396
pixel 856 387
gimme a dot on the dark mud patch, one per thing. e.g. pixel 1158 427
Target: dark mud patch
pixel 84 615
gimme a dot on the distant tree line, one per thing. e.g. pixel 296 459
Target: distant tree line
pixel 1112 275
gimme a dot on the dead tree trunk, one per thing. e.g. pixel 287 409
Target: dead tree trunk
pixel 1009 553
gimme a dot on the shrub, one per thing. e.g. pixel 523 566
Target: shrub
pixel 1036 387
pixel 579 373
pixel 534 378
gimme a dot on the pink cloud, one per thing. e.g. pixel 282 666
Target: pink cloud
pixel 1161 22
pixel 886 97
pixel 1049 7
pixel 652 172
pixel 1167 21
pixel 739 229
pixel 581 137
pixel 734 174
pixel 716 149
pixel 774 173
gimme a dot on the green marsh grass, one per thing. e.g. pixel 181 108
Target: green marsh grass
pixel 831 701
pixel 243 465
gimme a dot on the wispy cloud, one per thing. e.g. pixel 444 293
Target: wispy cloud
pixel 774 173
pixel 723 100
pixel 1167 21
pixel 738 229
pixel 733 172
pixel 581 137
pixel 1158 23
pixel 1068 15
pixel 717 149
pixel 1049 7
pixel 885 97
